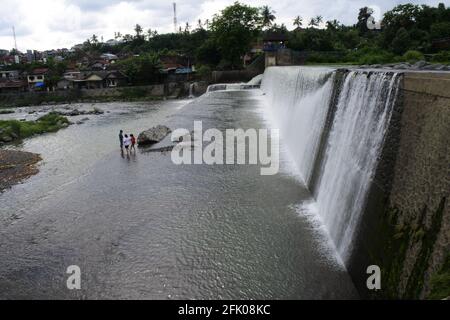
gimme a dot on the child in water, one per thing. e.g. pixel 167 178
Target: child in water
pixel 133 142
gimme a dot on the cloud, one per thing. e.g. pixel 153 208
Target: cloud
pixel 47 24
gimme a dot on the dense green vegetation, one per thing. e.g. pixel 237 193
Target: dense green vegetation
pixel 408 33
pixel 11 130
pixel 440 282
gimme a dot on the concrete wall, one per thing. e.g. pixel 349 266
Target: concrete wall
pixel 172 89
pixel 406 225
pixel 233 76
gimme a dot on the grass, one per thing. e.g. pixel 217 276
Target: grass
pixel 16 130
pixel 440 282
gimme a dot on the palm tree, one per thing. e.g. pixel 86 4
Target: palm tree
pixel 138 29
pixel 319 20
pixel 199 24
pixel 268 16
pixel 187 28
pixel 207 23
pixel 298 22
pixel 94 39
pixel 149 34
pixel 315 22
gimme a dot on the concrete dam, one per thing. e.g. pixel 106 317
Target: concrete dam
pixel 372 147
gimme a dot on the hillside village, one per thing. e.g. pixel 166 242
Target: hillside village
pixel 76 68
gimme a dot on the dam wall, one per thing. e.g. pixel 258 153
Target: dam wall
pixel 372 146
pixel 405 228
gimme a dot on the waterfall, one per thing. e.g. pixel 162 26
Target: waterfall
pixel 191 91
pixel 300 100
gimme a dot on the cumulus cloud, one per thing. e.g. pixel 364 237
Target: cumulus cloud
pixel 47 24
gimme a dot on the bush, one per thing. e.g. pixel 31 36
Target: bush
pixel 443 57
pixel 413 56
pixel 377 58
pixel 324 57
pixel 23 129
pixel 204 72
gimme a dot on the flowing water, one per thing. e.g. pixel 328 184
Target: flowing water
pixel 140 227
pixel 299 101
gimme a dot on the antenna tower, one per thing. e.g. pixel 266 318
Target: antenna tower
pixel 15 39
pixel 175 19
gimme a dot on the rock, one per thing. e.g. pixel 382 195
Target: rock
pixel 401 66
pixel 376 66
pixel 420 64
pixel 14 135
pixel 153 135
pixel 435 67
pixel 82 121
pixel 6 139
pixel 97 111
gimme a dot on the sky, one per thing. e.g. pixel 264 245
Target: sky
pixel 52 24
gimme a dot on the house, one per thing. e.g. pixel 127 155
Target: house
pixel 72 75
pixel 93 80
pixel 8 86
pixel 7 60
pixel 99 65
pixel 110 58
pixel 9 75
pixel 273 42
pixel 36 80
pixel 105 79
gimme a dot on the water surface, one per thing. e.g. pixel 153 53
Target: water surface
pixel 141 227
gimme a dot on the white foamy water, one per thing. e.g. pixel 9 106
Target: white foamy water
pixel 299 100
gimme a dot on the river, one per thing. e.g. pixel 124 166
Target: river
pixel 140 227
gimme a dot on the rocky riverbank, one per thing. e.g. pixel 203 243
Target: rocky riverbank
pixel 13 130
pixel 15 166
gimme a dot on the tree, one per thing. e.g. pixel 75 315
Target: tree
pixel 94 39
pixel 199 24
pixel 363 17
pixel 187 28
pixel 143 69
pixel 316 21
pixel 234 29
pixel 401 42
pixel 333 25
pixel 138 29
pixel 298 22
pixel 268 16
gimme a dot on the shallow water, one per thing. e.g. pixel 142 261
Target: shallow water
pixel 141 227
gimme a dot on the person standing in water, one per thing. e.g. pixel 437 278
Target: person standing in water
pixel 133 142
pixel 127 142
pixel 121 139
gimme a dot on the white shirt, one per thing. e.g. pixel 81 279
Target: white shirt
pixel 127 142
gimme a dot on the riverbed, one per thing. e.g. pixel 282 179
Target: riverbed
pixel 141 227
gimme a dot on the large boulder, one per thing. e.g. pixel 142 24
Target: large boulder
pixel 153 135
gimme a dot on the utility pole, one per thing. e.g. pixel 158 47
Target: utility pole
pixel 175 20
